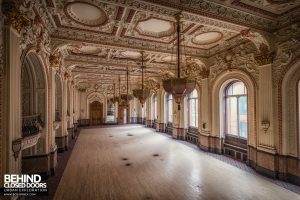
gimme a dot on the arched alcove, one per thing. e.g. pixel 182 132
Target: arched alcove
pixel 58 104
pixel 34 102
pixel 97 96
pixel 218 106
pixel 290 111
pixel 69 106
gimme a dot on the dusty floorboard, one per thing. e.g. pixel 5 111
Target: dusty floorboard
pixel 135 163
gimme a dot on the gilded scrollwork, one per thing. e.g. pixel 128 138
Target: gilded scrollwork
pixel 286 52
pixel 152 84
pixel 14 17
pixel 195 71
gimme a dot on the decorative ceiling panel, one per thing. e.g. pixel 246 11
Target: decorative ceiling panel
pixel 277 7
pixel 101 39
pixel 88 15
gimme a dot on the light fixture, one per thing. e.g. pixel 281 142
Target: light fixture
pixel 179 87
pixel 125 98
pixel 265 125
pixel 114 99
pixel 144 93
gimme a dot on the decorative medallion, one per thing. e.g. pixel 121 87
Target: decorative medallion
pixel 131 54
pixel 155 27
pixel 207 38
pixel 86 14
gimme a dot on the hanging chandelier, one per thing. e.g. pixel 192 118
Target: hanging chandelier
pixel 114 99
pixel 144 93
pixel 125 98
pixel 179 87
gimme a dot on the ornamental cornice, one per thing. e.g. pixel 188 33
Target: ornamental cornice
pixel 265 56
pixel 112 62
pixel 111 41
pixel 232 15
pixel 286 53
pixel 241 60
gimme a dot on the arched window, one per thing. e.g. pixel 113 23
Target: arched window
pixel 154 107
pixel 193 109
pixel 236 109
pixel 169 105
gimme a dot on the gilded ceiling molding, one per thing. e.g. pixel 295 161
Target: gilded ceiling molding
pixel 152 84
pixel 265 57
pixel 210 9
pixel 256 38
pixel 286 53
pixel 241 60
pixel 195 71
pixel 55 60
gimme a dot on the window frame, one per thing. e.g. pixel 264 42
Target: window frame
pixel 168 101
pixel 154 107
pixel 237 96
pixel 196 109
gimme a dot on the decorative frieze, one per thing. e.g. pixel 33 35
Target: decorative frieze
pixel 196 71
pixel 241 60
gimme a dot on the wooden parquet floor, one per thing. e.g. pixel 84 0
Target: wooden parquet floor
pixel 135 163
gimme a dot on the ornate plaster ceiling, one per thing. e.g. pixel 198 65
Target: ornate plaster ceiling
pixel 85 13
pixel 102 38
pixel 130 54
pixel 207 38
pixel 155 27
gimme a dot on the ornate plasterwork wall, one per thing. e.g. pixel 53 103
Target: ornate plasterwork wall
pixel 290 112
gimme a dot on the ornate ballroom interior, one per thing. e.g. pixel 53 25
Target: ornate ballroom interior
pixel 152 99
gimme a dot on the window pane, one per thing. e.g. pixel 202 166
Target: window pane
pixel 238 88
pixel 196 112
pixel 154 107
pixel 243 116
pixel 192 112
pixel 231 116
pixel 170 108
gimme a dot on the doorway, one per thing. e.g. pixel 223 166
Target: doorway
pixel 96 113
pixel 123 117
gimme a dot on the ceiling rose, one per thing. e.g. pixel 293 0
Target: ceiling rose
pixel 207 38
pixel 154 27
pixel 86 13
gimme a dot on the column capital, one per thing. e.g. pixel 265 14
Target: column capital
pixel 265 56
pixel 13 15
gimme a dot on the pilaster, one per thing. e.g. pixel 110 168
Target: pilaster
pixel 265 114
pixel 12 126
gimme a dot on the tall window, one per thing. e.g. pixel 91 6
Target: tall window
pixel 144 111
pixel 169 108
pixel 193 108
pixel 154 107
pixel 236 109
